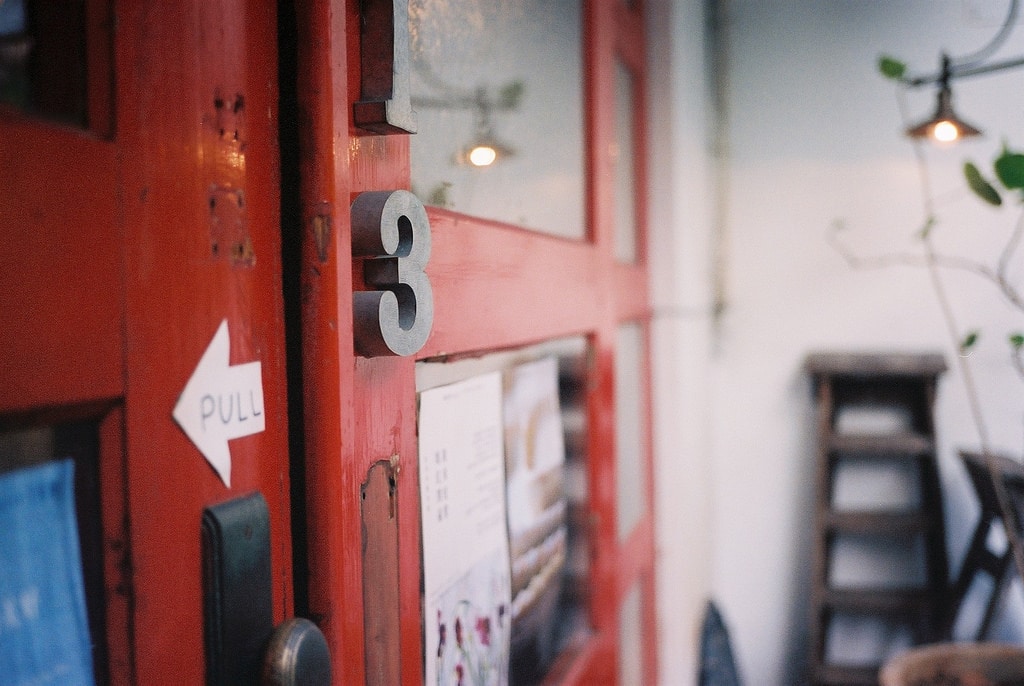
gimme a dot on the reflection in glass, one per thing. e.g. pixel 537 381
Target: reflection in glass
pixel 559 616
pixel 625 182
pixel 629 463
pixel 43 59
pixel 79 441
pixel 631 637
pixel 497 89
pixel 15 46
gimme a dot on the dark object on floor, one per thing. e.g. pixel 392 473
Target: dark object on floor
pixel 717 666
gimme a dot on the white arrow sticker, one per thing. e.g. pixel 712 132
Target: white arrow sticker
pixel 221 402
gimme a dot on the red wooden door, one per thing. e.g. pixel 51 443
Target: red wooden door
pixel 188 185
pixel 140 211
pixel 496 287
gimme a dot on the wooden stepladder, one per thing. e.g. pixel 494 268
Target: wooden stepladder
pixel 879 555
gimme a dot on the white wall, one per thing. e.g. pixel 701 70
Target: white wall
pixel 681 216
pixel 814 138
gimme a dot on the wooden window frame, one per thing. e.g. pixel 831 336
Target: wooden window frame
pixel 360 411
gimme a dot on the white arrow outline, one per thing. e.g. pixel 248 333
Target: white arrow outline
pixel 200 407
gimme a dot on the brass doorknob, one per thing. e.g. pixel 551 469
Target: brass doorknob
pixel 296 655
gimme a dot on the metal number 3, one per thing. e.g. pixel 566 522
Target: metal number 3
pixel 391 230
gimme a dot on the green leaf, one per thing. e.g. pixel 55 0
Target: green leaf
pixel 1017 340
pixel 891 68
pixel 926 230
pixel 439 195
pixel 982 188
pixel 511 94
pixel 1009 167
pixel 969 341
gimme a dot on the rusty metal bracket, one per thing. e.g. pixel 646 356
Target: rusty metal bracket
pixel 381 626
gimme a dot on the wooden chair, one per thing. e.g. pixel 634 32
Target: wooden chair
pixel 979 558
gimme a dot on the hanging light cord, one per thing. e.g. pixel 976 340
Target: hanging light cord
pixel 979 56
pixel 972 64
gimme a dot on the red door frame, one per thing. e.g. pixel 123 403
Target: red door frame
pixel 200 203
pixel 360 411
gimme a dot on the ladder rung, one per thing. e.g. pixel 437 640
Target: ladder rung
pixel 889 445
pixel 888 601
pixel 882 522
pixel 846 675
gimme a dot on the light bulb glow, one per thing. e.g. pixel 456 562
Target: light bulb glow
pixel 945 132
pixel 482 156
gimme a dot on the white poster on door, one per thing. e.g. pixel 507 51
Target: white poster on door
pixel 467 591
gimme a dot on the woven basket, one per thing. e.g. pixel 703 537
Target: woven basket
pixel 956 664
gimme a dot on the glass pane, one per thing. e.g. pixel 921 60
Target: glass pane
pixel 79 441
pixel 625 182
pixel 547 508
pixel 631 638
pixel 629 413
pixel 508 75
pixel 15 46
pixel 43 58
pixel 882 562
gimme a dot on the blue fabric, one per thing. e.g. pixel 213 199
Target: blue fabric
pixel 44 630
pixel 717 666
